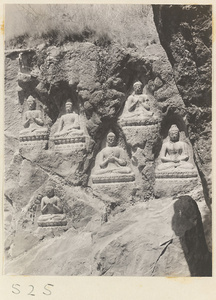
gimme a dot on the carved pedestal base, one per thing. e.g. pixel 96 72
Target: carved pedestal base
pixel 69 147
pixel 174 186
pixel 138 122
pixel 33 142
pixel 118 193
pixel 174 175
pixel 69 144
pixel 113 178
pixel 34 145
pixel 34 137
pixel 141 135
pixel 52 220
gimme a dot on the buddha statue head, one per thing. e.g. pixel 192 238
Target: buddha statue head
pixel 146 102
pixel 137 87
pixel 68 106
pixel 173 133
pixel 49 190
pixel 111 139
pixel 31 102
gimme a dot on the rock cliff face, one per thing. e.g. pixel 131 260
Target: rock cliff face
pixel 122 228
pixel 185 33
pixel 149 239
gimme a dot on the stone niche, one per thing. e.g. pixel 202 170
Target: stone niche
pixel 33 131
pixel 51 210
pixel 175 171
pixel 34 135
pixel 138 109
pixel 112 177
pixel 140 124
pixel 69 135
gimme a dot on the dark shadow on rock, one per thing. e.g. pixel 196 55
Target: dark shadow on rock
pixel 187 225
pixel 170 119
pixel 185 33
pixel 207 226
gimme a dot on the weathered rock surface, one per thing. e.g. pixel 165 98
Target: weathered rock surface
pixel 185 33
pixel 132 242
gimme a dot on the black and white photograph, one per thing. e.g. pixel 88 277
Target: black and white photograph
pixel 108 140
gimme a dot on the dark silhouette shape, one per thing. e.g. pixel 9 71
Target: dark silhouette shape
pixel 187 224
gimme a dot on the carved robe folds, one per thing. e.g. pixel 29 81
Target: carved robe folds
pixel 69 136
pixel 137 109
pixel 111 165
pixel 34 132
pixel 52 210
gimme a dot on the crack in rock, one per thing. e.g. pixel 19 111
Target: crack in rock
pixel 162 252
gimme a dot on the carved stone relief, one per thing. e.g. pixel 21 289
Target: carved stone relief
pixel 111 166
pixel 137 110
pixel 52 210
pixel 34 130
pixel 69 135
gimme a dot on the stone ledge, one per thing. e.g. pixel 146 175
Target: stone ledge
pixel 70 140
pixel 138 123
pixel 50 224
pixel 30 138
pixel 175 175
pixel 69 147
pixel 96 179
pixel 33 144
pixel 174 186
pixel 9 51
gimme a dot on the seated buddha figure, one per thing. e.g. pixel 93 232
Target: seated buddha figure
pixel 137 107
pixel 51 209
pixel 32 120
pixel 174 155
pixel 112 161
pixel 69 123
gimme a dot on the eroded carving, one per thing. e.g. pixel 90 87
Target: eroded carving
pixel 137 109
pixel 175 158
pixel 33 124
pixel 69 135
pixel 112 164
pixel 52 210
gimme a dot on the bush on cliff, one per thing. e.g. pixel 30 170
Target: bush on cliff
pixel 57 24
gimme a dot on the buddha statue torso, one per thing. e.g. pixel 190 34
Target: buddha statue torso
pixel 52 211
pixel 32 121
pixel 175 150
pixel 174 155
pixel 69 124
pixel 112 159
pixel 137 109
pixel 51 205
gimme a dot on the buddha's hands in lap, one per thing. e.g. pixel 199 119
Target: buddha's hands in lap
pixel 111 158
pixel 176 161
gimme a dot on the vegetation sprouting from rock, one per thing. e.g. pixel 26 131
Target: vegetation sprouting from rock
pixel 58 24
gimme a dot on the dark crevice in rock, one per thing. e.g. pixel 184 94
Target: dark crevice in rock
pixel 59 93
pixel 185 34
pixel 9 199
